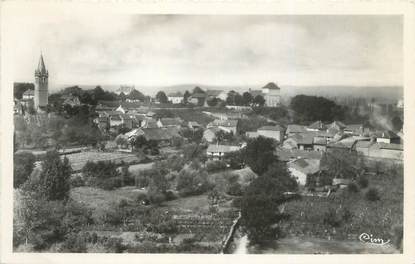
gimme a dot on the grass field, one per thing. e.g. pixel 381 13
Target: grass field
pixel 78 160
pixel 100 200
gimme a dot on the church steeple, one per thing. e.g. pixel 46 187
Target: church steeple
pixel 41 68
pixel 41 84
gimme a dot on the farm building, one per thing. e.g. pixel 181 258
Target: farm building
pixel 302 167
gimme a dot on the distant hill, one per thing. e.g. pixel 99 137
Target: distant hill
pixel 391 92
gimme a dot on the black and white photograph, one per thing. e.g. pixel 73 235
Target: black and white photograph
pixel 207 133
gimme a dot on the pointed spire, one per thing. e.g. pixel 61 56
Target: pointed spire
pixel 41 68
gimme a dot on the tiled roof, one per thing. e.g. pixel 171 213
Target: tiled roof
pixel 295 129
pixel 320 141
pixel 221 148
pixel 390 146
pixel 29 92
pixel 306 166
pixel 272 128
pixel 353 127
pixel 387 134
pixel 225 123
pixel 317 125
pixel 364 144
pixel 171 121
pixel 286 155
pixel 272 86
pixel 157 133
pixel 175 94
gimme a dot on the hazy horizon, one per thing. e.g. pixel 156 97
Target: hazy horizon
pixel 230 50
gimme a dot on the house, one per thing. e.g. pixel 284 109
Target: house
pixel 219 94
pixel 251 134
pixel 379 151
pixel 388 137
pixel 175 98
pixel 28 94
pixel 354 129
pixel 210 134
pixel 149 123
pixel 138 119
pixel 300 141
pixel 341 183
pixel 216 151
pixel 103 123
pixel 337 125
pixel 271 93
pixel 319 144
pixel 197 99
pixel 225 125
pixel 302 167
pixel 316 126
pixel 131 135
pixel 193 125
pixel 169 122
pixel 115 120
pixel 160 135
pixel 276 132
pixel 121 109
pixel 295 129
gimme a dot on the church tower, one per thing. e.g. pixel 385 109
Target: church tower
pixel 41 84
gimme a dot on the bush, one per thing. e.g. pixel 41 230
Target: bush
pixel 363 182
pixel 372 195
pixel 215 166
pixel 353 188
pixel 114 245
pixel 77 181
pixel 74 243
pixel 331 218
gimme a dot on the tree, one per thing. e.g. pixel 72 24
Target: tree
pixel 186 96
pixel 397 123
pixel 238 99
pixel 247 98
pixel 343 163
pixel 311 108
pixel 212 101
pixel 192 182
pixel 259 154
pixel 260 209
pixel 55 177
pixel 259 100
pixel 136 95
pixel 279 171
pixel 23 165
pixel 162 97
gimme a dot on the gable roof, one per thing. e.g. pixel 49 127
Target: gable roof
pixel 293 128
pixel 353 127
pixel 272 128
pixel 390 146
pixel 175 94
pixel 222 148
pixel 306 166
pixel 158 134
pixel 224 123
pixel 271 86
pixel 167 121
pixel 317 125
pixel 286 155
pixel 387 134
pixel 364 144
pixel 29 92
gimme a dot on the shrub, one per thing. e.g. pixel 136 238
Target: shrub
pixel 331 218
pixel 23 167
pixel 236 202
pixel 347 215
pixel 353 188
pixel 215 166
pixel 74 243
pixel 372 195
pixel 363 182
pixel 115 245
pixel 77 181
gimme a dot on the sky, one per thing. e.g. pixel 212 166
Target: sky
pixel 162 50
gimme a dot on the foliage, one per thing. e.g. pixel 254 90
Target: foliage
pixel 235 159
pixel 194 151
pixel 260 209
pixel 343 163
pixel 353 188
pixel 247 98
pixel 192 182
pixel 312 108
pixel 259 154
pixel 162 97
pixel 74 243
pixel 54 180
pixel 23 164
pixel 259 101
pixel 331 217
pixel 233 187
pixel 20 88
pixel 215 166
pixel 279 171
pixel 192 135
pixel 372 195
pixel 363 182
pixel 102 174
